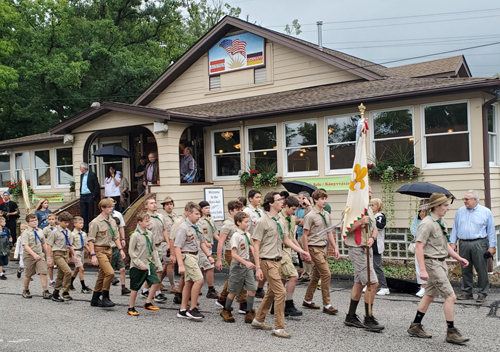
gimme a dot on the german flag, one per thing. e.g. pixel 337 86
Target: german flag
pixel 255 58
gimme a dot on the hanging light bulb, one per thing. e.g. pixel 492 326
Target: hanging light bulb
pixel 227 135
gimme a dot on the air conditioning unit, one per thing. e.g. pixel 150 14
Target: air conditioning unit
pixel 159 127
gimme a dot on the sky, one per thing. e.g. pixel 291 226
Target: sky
pixel 383 31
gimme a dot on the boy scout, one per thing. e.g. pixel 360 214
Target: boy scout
pixel 103 230
pixel 268 249
pixel 52 218
pixel 172 235
pixel 33 246
pixel 227 230
pixel 188 240
pixel 144 263
pixel 431 250
pixel 168 271
pixel 207 226
pixel 58 244
pixel 241 271
pixel 80 244
pixel 317 229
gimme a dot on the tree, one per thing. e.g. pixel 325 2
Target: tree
pixel 8 75
pixel 294 28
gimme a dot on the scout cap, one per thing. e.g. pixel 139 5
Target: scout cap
pixel 167 199
pixel 437 199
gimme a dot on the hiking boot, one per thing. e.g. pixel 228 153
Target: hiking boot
pixel 66 296
pixel 250 316
pixel 465 296
pixel 310 305
pixel 454 336
pixel 195 314
pixel 353 320
pixel 86 290
pixel 27 294
pixel 56 298
pixel 330 310
pixel 3 277
pixel 71 287
pixel 178 298
pixel 125 291
pixel 96 300
pixel 281 333
pixel 46 294
pixel 149 306
pixel 227 315
pixel 106 302
pixel 19 271
pixel 115 281
pixel 261 326
pixel 221 303
pixel 212 293
pixel 372 324
pixel 260 294
pixel 132 311
pixel 160 298
pixel 417 330
pixel 162 288
pixel 290 309
pixel 481 298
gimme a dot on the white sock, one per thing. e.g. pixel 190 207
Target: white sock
pixel 145 290
pixel 1 274
pixel 158 292
pixel 308 302
pixel 277 330
pixel 289 296
pixel 328 306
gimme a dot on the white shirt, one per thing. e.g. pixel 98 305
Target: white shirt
pixel 110 187
pixel 253 213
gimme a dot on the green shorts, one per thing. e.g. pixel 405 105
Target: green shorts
pixel 138 277
pixel 116 259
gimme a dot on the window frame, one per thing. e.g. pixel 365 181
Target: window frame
pixel 101 164
pixel 247 145
pixel 328 171
pixel 3 189
pixel 214 155
pixel 495 162
pixel 286 173
pixel 34 175
pixel 16 170
pixel 450 165
pixel 56 178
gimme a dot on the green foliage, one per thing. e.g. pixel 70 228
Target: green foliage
pixel 294 28
pixel 8 18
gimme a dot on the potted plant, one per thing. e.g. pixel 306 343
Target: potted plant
pixel 258 177
pixel 72 190
pixel 16 190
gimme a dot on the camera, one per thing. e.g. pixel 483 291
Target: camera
pixel 488 255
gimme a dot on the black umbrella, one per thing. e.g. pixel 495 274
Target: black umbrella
pixel 112 150
pixel 423 190
pixel 298 186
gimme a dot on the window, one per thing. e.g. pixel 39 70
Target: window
pixel 226 152
pixel 64 166
pixel 260 75
pixel 92 160
pixel 262 149
pixel 22 161
pixel 493 134
pixel 214 82
pixel 4 170
pixel 341 142
pixel 107 161
pixel 301 150
pixel 42 168
pixel 446 135
pixel 393 135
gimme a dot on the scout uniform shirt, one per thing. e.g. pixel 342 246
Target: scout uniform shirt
pixel 175 227
pixel 169 221
pixel 316 221
pixel 431 234
pixel 209 229
pixel 255 214
pixel 60 239
pixel 156 229
pixel 289 229
pixel 229 228
pixel 350 239
pixel 47 230
pixel 102 232
pixel 267 231
pixel 141 252
pixel 79 239
pixel 34 239
pixel 241 241
pixel 189 237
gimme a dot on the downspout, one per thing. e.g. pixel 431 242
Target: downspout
pixel 486 150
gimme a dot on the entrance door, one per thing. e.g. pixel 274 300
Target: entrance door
pixel 193 137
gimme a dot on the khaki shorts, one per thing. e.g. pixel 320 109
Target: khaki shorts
pixel 438 283
pixel 287 268
pixel 32 267
pixel 193 272
pixel 357 256
pixel 79 258
pixel 204 262
pixel 162 253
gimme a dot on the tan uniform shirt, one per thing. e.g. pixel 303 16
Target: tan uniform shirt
pixel 100 231
pixel 188 239
pixel 350 238
pixel 289 229
pixel 315 224
pixel 430 233
pixel 139 252
pixel 57 239
pixel 255 214
pixel 28 239
pixel 209 229
pixel 47 230
pixel 169 221
pixel 175 227
pixel 241 241
pixel 76 240
pixel 229 228
pixel 268 233
pixel 158 225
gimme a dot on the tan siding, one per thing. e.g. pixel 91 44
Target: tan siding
pixel 114 119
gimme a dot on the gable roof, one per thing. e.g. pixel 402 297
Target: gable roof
pixel 454 66
pixel 46 137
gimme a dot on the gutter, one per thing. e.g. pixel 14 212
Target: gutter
pixel 486 150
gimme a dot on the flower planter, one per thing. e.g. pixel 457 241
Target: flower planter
pixel 397 175
pixel 265 183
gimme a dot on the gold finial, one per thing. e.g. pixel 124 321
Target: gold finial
pixel 362 109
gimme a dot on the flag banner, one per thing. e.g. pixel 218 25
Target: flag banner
pixel 335 183
pixel 52 198
pixel 26 197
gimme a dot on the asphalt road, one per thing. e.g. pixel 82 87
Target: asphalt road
pixel 42 325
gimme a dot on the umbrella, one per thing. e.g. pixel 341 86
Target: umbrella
pixel 423 190
pixel 26 197
pixel 112 150
pixel 298 186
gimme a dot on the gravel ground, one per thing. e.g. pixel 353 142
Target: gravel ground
pixel 42 325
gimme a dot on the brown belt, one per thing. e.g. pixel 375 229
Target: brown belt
pixel 193 253
pixel 440 259
pixel 103 247
pixel 272 260
pixel 317 246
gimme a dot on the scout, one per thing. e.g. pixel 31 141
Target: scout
pixel 58 244
pixel 5 240
pixel 226 232
pixel 52 218
pixel 80 244
pixel 33 243
pixel 188 240
pixel 172 235
pixel 268 241
pixel 144 263
pixel 103 230
pixel 241 271
pixel 116 260
pixel 317 230
pixel 431 250
pixel 168 271
pixel 210 232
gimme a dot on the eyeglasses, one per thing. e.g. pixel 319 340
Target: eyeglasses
pixel 467 199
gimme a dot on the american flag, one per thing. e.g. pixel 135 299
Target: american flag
pixel 234 46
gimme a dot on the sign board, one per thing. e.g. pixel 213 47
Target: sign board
pixel 237 52
pixel 215 197
pixel 330 183
pixel 52 198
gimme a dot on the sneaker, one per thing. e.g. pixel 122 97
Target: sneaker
pixel 46 294
pixel 132 311
pixel 149 306
pixel 57 298
pixel 125 291
pixel 243 308
pixel 195 314
pixel 261 326
pixel 372 324
pixel 52 284
pixel 66 296
pixel 212 293
pixel 160 298
pixel 178 298
pixel 182 314
pixel 71 287
pixel 464 296
pixel 383 292
pixel 454 336
pixel 221 303
pixel 19 271
pixel 260 294
pixel 353 320
pixel 330 310
pixel 420 292
pixel 86 290
pixel 250 316
pixel 310 305
pixel 481 298
pixel 417 330
pixel 27 294
pixel 145 294
pixel 115 281
pixel 227 315
pixel 281 333
pixel 3 277
pixel 303 280
pixel 319 286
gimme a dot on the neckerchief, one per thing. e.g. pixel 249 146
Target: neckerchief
pixel 158 218
pixel 443 228
pixel 289 219
pixel 197 231
pixel 324 218
pixel 68 243
pixel 111 228
pixel 81 239
pixel 248 240
pixel 37 237
pixel 210 223
pixel 150 245
pixel 258 212
pixel 279 226
pixel 171 217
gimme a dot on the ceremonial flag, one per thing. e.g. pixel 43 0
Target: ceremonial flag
pixel 234 46
pixel 25 192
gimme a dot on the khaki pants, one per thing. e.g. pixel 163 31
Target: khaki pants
pixel 106 271
pixel 63 279
pixel 275 293
pixel 307 273
pixel 321 269
pixel 242 297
